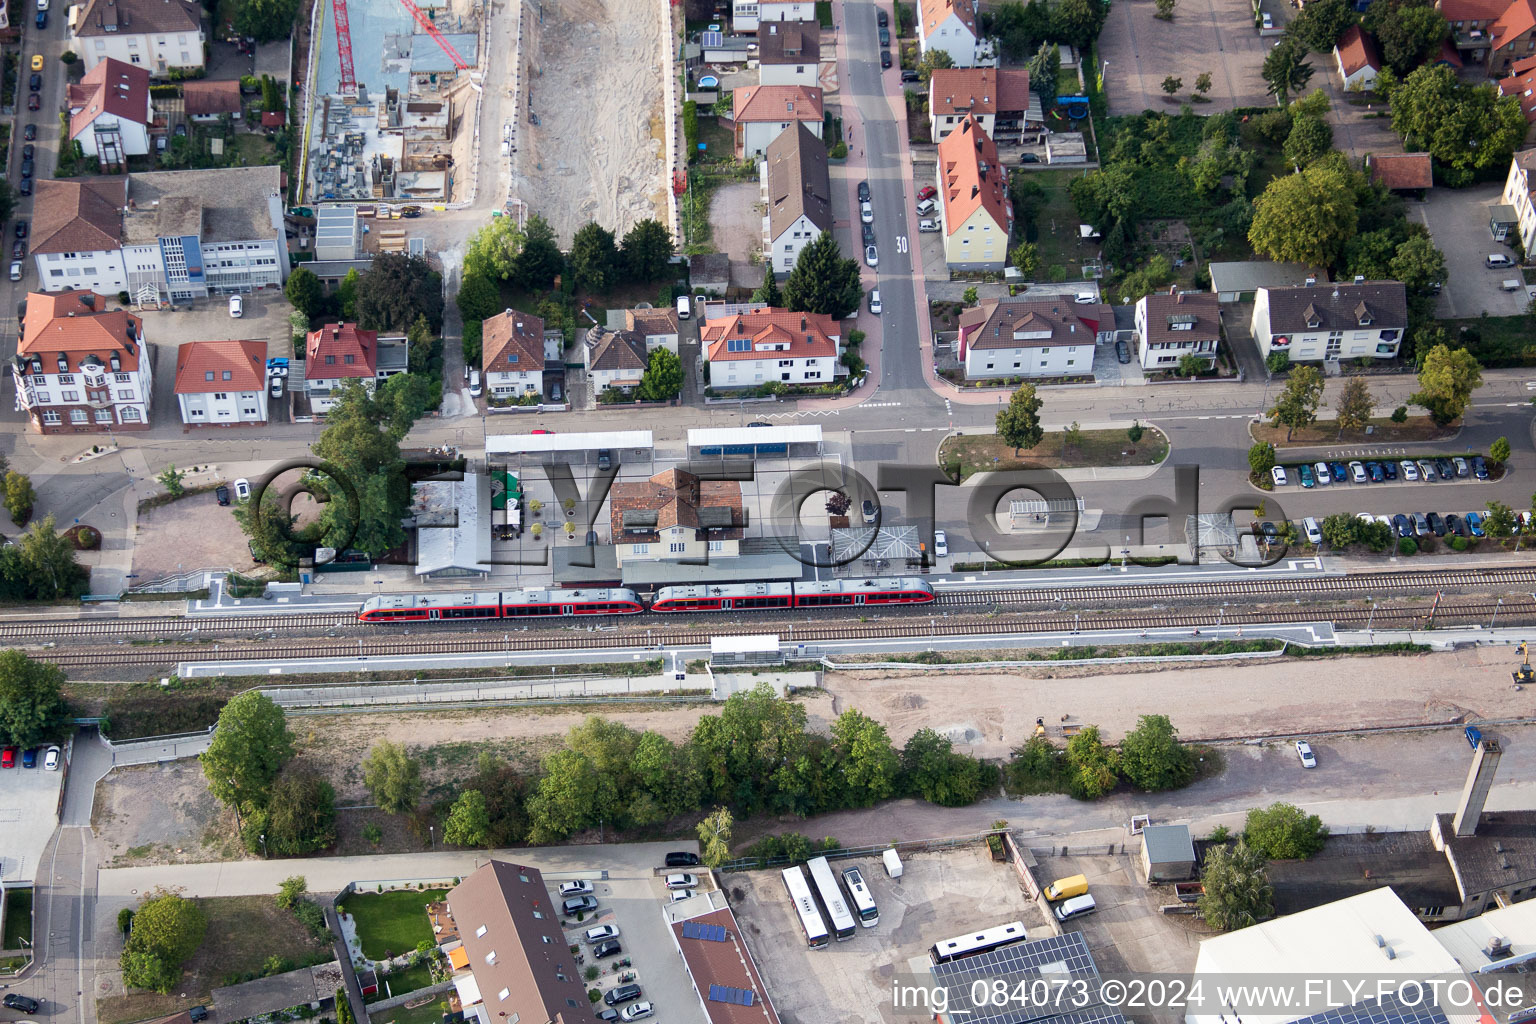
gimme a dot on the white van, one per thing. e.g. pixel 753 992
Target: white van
pixel 474 383
pixel 1314 532
pixel 926 207
pixel 1075 907
pixel 682 307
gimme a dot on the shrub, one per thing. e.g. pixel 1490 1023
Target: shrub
pixel 1407 546
pixel 125 919
pixel 1400 414
pixel 839 151
pixel 1283 831
pixel 1457 543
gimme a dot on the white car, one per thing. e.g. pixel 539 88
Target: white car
pixel 867 213
pixel 1087 297
pixel 680 895
pixel 242 489
pixel 1313 531
pixel 1499 260
pixel 16 271
pixel 940 544
pixel 1366 518
pixel 603 933
pixel 1357 473
pixel 1277 473
pixel 1320 470
pixel 236 306
pixel 51 759
pixel 875 305
pixel 581 888
pixel 637 1011
pixel 1410 471
pixel 682 881
pixel 1304 751
pixel 871 256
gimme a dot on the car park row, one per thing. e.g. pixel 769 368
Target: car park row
pixel 1321 474
pixel 1409 524
pixel 31 757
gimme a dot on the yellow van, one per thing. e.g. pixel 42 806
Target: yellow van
pixel 1066 888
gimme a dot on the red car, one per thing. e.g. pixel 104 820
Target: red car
pixel 8 757
pixel 926 192
pixel 541 431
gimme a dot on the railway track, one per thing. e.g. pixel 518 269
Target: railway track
pixel 1511 611
pixel 1421 581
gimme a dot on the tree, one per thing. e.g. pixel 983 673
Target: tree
pixel 1235 888
pixel 1446 382
pixel 1355 405
pixel 1278 361
pixel 1320 24
pixel 396 290
pixel 1400 414
pixel 32 704
pixel 493 250
pixel 1134 432
pixel 1340 530
pixel 1298 404
pixel 1305 217
pixel 768 291
pixel 1092 764
pixel 171 479
pixel 1019 28
pixel 1310 138
pixel 1419 265
pixel 715 837
pixel 564 799
pixel 1018 423
pixel 19 497
pixel 1463 126
pixel 266 19
pixel 167 930
pixel 1286 70
pixel 7 201
pixel 1499 520
pixel 1078 22
pixel 838 503
pixel 47 560
pixel 1171 84
pixel 1152 758
pixel 346 294
pixel 290 891
pixel 822 281
pixel 299 816
pixel 469 823
pixel 362 440
pixel 663 377
pixel 1284 831
pixel 541 259
pixel 931 61
pixel 1408 33
pixel 249 748
pixel 1498 451
pixel 1191 365
pixel 594 260
pixel 392 777
pixel 305 291
pixel 1202 84
pixel 1026 258
pixel 478 299
pixel 647 251
pixel 869 761
pixel 1261 459
pixel 1165 9
pixel 1043 68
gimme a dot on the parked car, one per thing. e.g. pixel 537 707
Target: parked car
pixel 1305 472
pixel 609 947
pixel 870 511
pixel 1028 158
pixel 1410 471
pixel 885 59
pixel 242 489
pixel 1498 259
pixel 276 388
pixel 37 62
pixel 1269 531
pixel 28 169
pixel 1122 351
pixel 221 493
pixel 1277 473
pixel 15 271
pixel 1313 531
pixel 29 133
pixel 19 250
pixel 1479 467
pixel 602 933
pixel 16 1001
pixel 885 36
pixel 1445 469
pixel 578 905
pixel 637 1011
pixel 682 859
pixel 866 211
pixel 1474 522
pixel 236 306
pixel 35 83
pixel 25 188
pixel 1426 471
pixel 1389 468
pixel 578 888
pixel 34 102
pixel 1338 471
pixel 51 759
pixel 42 19
pixel 868 233
pixel 882 18
pixel 605 458
pixel 682 881
pixel 1357 473
pixel 910 76
pixel 8 760
pixel 198 1014
pixel 926 192
pixel 1420 524
pixel 1401 525
pixel 1455 525
pixel 1462 469
pixel 1323 476
pixel 871 256
pixel 864 192
pixel 927 224
pixel 1374 471
pixel 940 544
pixel 21 227
pixel 622 994
pixel 181 133
pixel 1436 524
pixel 875 306
pixel 29 757
pixel 1304 752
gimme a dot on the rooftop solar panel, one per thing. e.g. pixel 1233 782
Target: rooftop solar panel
pixel 1059 956
pixel 734 996
pixel 707 932
pixel 1387 1011
pixel 712 38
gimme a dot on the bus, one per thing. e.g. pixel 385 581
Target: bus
pixel 978 942
pixel 863 902
pixel 805 907
pixel 831 898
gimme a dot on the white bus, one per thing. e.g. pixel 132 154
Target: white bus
pixel 863 902
pixel 831 898
pixel 978 942
pixel 805 907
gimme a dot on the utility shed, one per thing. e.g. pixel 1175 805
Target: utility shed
pixel 1167 854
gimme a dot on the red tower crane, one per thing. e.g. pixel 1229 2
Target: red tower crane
pixel 344 46
pixel 431 30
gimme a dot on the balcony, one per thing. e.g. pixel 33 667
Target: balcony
pixel 1471 39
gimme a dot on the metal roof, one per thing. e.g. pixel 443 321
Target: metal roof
pixel 513 444
pixel 796 434
pixel 755 644
pixel 1168 844
pixel 739 569
pixel 467 543
pixel 853 542
pixel 1250 275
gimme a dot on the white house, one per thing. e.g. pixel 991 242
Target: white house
pixel 675 515
pixel 798 194
pixel 1173 324
pixel 999 100
pixel 157 35
pixel 222 383
pixel 789 53
pixel 951 26
pixel 761 112
pixel 512 355
pixel 80 367
pixel 1331 321
pixel 110 113
pixel 336 353
pixel 1518 193
pixel 77 234
pixel 1042 338
pixel 746 15
pixel 747 350
pixel 1358 60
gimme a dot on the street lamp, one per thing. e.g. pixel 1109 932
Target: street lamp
pixel 1496 608
pixel 1103 71
pixel 263 845
pixel 432 835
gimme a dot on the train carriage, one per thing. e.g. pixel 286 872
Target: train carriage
pixel 519 604
pixel 508 604
pixel 842 593
pixel 724 597
pixel 423 607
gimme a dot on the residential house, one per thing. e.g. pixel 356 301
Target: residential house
pixel 76 234
pixel 336 353
pixel 1331 322
pixel 1043 338
pixel 1401 172
pixel 615 359
pixel 789 53
pixel 1174 324
pixel 798 192
pixel 514 962
pixel 1357 58
pixel 657 326
pixel 1497 33
pixel 952 26
pixel 750 349
pixel 206 101
pixel 1518 189
pixel 110 113
pixel 973 192
pixel 999 100
pixel 1239 282
pixel 676 516
pixel 81 367
pixel 157 35
pixel 1522 83
pixel 746 15
pixel 761 112
pixel 512 354
pixel 222 383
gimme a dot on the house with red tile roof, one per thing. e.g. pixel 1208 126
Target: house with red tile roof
pixel 222 383
pixel 208 100
pixel 973 195
pixel 76 230
pixel 675 515
pixel 953 26
pixel 1040 338
pixel 336 353
pixel 1514 37
pixel 159 34
pixel 760 112
pixel 110 113
pixel 1495 33
pixel 1522 83
pixel 723 970
pixel 1357 58
pixel 1173 324
pixel 999 99
pixel 81 366
pixel 1401 172
pixel 763 346
pixel 512 354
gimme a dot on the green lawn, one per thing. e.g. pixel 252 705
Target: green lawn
pixel 255 150
pixel 1496 340
pixel 408 980
pixel 1055 229
pixel 18 918
pixel 824 13
pixel 431 1013
pixel 389 923
pixel 975 453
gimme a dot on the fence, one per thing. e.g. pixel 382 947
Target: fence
pixel 969 666
pixel 909 846
pixel 393 1001
pixel 509 691
pixel 364 886
pixel 1106 850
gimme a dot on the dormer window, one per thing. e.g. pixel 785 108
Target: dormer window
pixel 512 357
pixel 1314 322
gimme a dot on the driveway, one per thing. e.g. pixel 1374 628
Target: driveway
pixel 737 216
pixel 29 803
pixel 1458 221
pixel 1218 36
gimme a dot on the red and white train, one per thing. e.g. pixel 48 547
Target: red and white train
pixel 521 604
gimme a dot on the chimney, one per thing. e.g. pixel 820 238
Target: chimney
pixel 1335 293
pixel 802 323
pixel 1485 762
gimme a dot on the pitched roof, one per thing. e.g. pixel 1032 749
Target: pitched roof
pixel 652 321
pixel 958 91
pixel 340 350
pixel 79 324
pixel 776 103
pixel 520 958
pixel 1402 170
pixel 1166 308
pixel 789 42
pixel 1518 18
pixel 675 497
pixel 1472 10
pixel 801 335
pixel 1348 865
pixel 616 350
pixel 1356 50
pixel 935 11
pixel 798 183
pixel 512 341
pixel 137 17
pixel 78 216
pixel 1338 307
pixel 1522 83
pixel 202 98
pixel 1500 854
pixel 203 366
pixel 728 963
pixel 972 177
pixel 996 323
pixel 111 87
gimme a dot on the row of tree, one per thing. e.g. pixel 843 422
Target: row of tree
pixel 1234 877
pixel 1150 757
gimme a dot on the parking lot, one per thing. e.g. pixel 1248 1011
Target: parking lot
pixel 1138 51
pixel 29 803
pixel 1128 933
pixel 1458 221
